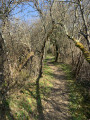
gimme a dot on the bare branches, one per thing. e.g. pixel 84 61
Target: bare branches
pixel 85 52
pixel 66 1
pixel 85 34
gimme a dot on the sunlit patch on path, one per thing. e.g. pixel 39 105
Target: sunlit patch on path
pixel 56 106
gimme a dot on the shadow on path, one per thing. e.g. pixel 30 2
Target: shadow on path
pixel 37 97
pixel 38 100
pixel 56 106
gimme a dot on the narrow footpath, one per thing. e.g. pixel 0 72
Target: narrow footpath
pixel 57 104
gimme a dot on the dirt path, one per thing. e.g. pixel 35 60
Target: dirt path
pixel 56 106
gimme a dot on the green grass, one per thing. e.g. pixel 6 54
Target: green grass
pixel 50 58
pixel 23 103
pixel 78 107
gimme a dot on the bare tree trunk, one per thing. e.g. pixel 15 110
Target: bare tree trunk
pixel 2 81
pixel 85 30
pixel 56 56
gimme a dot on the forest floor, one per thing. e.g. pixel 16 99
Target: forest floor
pixel 67 99
pixel 57 104
pixel 56 97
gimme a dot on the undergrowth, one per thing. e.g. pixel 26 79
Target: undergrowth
pixel 79 105
pixel 23 104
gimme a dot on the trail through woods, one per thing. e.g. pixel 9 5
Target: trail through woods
pixel 34 35
pixel 57 104
pixel 55 97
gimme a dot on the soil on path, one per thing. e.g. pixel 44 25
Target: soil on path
pixel 56 106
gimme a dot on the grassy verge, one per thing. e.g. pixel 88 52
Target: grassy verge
pixel 23 104
pixel 79 104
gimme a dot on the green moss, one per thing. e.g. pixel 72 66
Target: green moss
pixel 80 45
pixel 83 49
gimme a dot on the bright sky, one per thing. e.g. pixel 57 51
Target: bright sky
pixel 25 12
